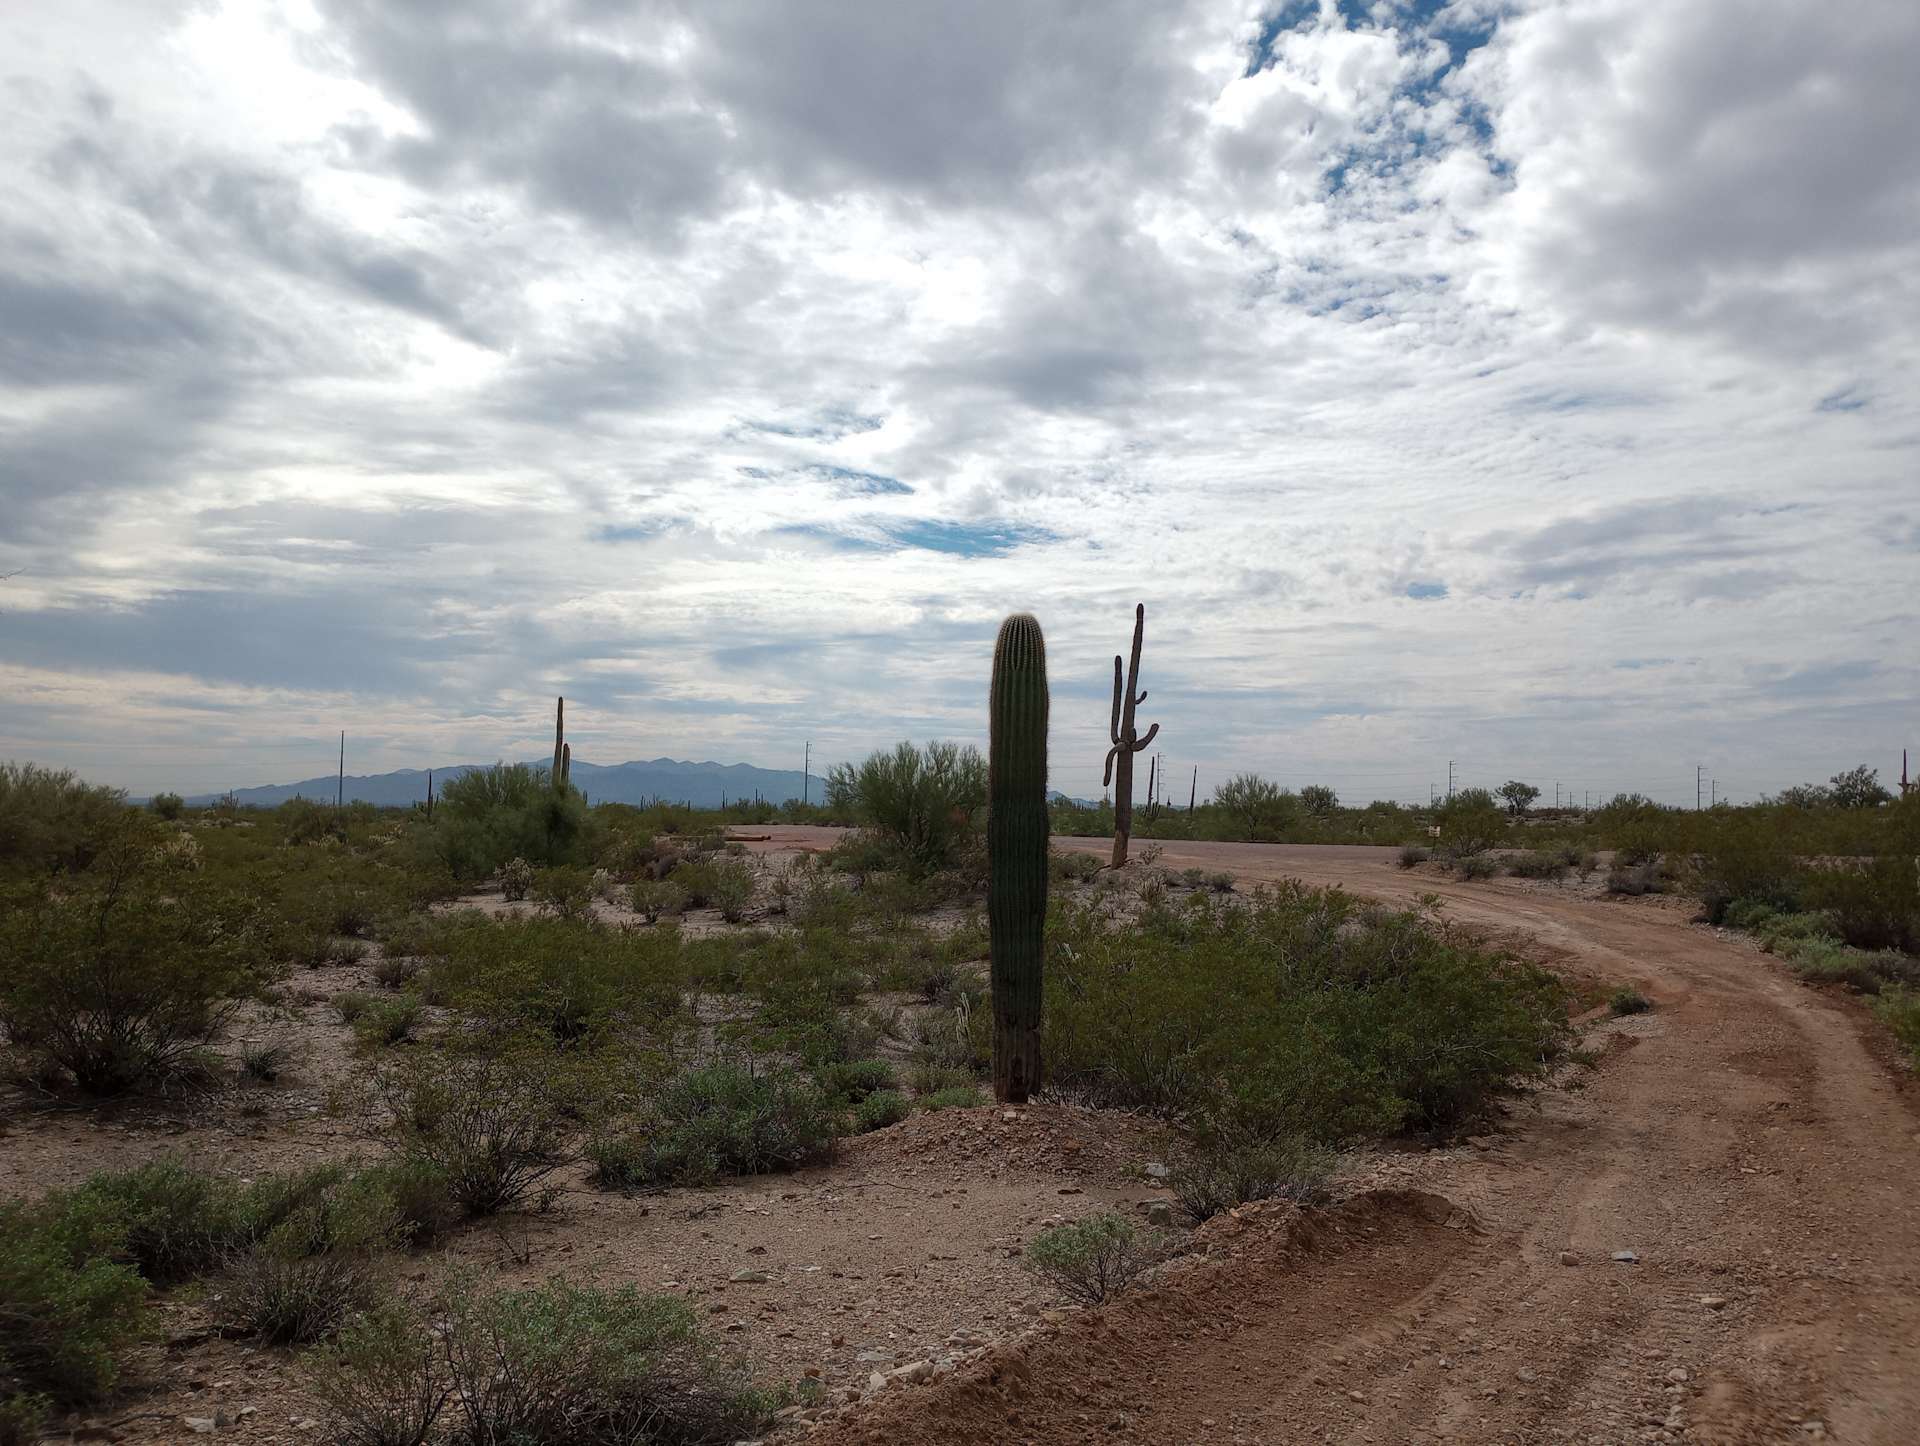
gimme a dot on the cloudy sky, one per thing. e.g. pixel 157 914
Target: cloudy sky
pixel 1526 384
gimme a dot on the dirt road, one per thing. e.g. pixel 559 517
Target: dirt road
pixel 1741 1141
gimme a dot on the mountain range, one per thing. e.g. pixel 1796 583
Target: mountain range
pixel 704 785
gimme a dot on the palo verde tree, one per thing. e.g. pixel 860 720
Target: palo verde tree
pixel 1518 796
pixel 1017 852
pixel 1126 742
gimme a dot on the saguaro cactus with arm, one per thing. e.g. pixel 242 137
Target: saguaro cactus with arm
pixel 558 776
pixel 1119 769
pixel 1017 853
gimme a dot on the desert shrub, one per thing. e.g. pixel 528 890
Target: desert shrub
pixel 285 1295
pixel 383 1021
pixel 1220 883
pixel 1221 1173
pixel 730 889
pixel 66 1310
pixel 264 1062
pixel 511 811
pixel 1073 866
pixel 721 1119
pixel 924 1077
pixel 854 1080
pixel 653 897
pixel 952 1097
pixel 167 805
pixel 352 1005
pixel 516 879
pixel 1193 878
pixel 1876 906
pixel 1476 866
pixel 1302 1011
pixel 1738 860
pixel 1412 855
pixel 168 1220
pixel 1259 809
pixel 1634 880
pixel 51 820
pixel 568 979
pixel 565 891
pixel 1539 864
pixel 1095 1259
pixel 1899 1007
pixel 566 1365
pixel 416 1200
pixel 880 1109
pixel 492 1127
pixel 921 801
pixel 1471 822
pixel 1628 1001
pixel 125 973
pixel 395 971
pixel 382 1381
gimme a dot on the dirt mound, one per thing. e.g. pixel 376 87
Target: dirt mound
pixel 1042 1138
pixel 1236 1325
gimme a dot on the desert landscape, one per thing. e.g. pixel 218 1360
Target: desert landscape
pixel 1542 1155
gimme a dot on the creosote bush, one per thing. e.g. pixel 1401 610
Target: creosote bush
pixel 382 1382
pixel 721 1119
pixel 1095 1259
pixel 880 1109
pixel 493 1127
pixel 1628 1001
pixel 1219 1174
pixel 1413 855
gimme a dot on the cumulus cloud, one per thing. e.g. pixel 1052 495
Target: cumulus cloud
pixel 1499 380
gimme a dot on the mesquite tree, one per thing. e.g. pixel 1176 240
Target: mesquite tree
pixel 1017 853
pixel 1126 743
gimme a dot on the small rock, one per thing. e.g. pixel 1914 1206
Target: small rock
pixel 1714 1302
pixel 912 1373
pixel 1159 1212
pixel 199 1425
pixel 1156 1171
pixel 1626 1257
pixel 876 1382
pixel 1358 1397
pixel 748 1277
pixel 1567 1257
pixel 1677 1375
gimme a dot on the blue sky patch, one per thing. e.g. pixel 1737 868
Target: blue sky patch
pixel 1425 591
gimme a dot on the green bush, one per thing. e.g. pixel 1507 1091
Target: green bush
pixel 1301 1011
pixel 494 1128
pixel 1222 1173
pixel 1634 880
pixel 653 897
pixel 171 1222
pixel 382 1021
pixel 1471 823
pixel 1628 1001
pixel 511 811
pixel 854 1080
pixel 952 1097
pixel 1476 866
pixel 1073 866
pixel 568 979
pixel 125 973
pixel 565 1365
pixel 880 1109
pixel 721 1119
pixel 167 805
pixel 50 820
pixel 566 891
pixel 1413 855
pixel 288 1296
pixel 922 801
pixel 1875 906
pixel 1095 1259
pixel 382 1382
pixel 1259 809
pixel 66 1311
pixel 1539 864
pixel 1899 1006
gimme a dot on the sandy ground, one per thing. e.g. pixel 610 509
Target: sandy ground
pixel 1743 1141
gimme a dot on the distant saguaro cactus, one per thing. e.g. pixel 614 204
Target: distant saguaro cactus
pixel 1017 853
pixel 566 764
pixel 1119 769
pixel 558 776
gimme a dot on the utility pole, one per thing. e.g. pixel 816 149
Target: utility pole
pixel 1556 796
pixel 340 787
pixel 1449 778
pixel 1713 793
pixel 1698 770
pixel 806 775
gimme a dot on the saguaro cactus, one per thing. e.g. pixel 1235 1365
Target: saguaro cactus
pixel 1119 769
pixel 566 764
pixel 558 775
pixel 1017 853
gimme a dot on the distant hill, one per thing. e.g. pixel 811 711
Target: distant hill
pixel 704 785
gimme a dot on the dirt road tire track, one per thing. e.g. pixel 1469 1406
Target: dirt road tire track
pixel 1742 1140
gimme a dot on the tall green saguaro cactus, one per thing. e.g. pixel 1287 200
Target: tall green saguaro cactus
pixel 1017 853
pixel 1119 769
pixel 558 776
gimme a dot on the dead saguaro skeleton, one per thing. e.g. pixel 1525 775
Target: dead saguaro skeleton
pixel 1126 742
